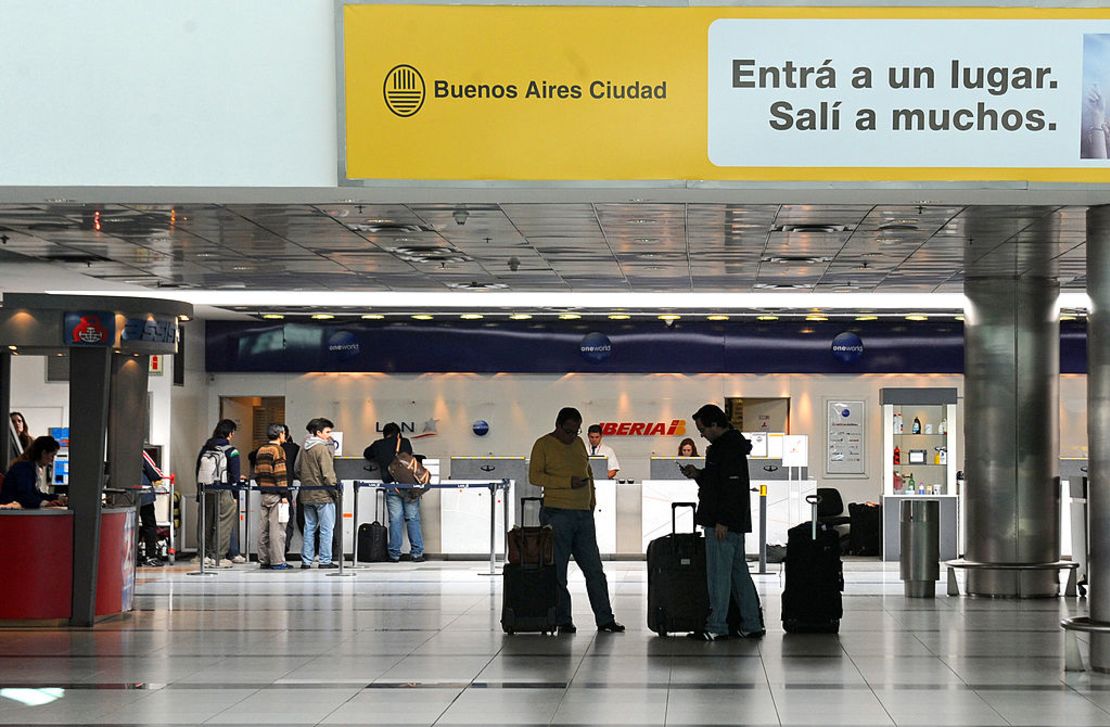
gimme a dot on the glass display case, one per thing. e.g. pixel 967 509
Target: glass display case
pixel 919 442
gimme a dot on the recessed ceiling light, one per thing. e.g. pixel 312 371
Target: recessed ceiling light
pixel 13 348
pixel 669 317
pixel 917 317
pixel 184 319
pixel 619 316
pixel 816 317
pixel 422 317
pixel 767 318
pixel 569 316
pixel 1067 317
pixel 373 317
pixel 717 317
pixel 867 318
pixel 273 316
pixel 322 316
pixel 521 316
pixel 471 316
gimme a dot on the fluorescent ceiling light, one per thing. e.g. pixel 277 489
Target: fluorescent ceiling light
pixel 619 316
pixel 322 316
pixel 669 317
pixel 569 316
pixel 471 316
pixel 422 317
pixel 867 318
pixel 521 316
pixel 816 317
pixel 273 316
pixel 767 318
pixel 716 317
pixel 373 317
pixel 916 317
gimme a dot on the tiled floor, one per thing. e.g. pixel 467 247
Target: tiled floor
pixel 421 645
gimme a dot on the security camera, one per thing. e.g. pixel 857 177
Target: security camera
pixel 514 264
pixel 460 216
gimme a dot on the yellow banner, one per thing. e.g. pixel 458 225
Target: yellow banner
pixel 603 93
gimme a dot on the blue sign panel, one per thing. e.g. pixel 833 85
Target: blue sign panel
pixel 595 347
pixel 90 328
pixel 150 330
pixel 480 427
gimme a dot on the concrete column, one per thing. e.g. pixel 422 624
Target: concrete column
pixel 127 419
pixel 88 425
pixel 1098 427
pixel 1011 431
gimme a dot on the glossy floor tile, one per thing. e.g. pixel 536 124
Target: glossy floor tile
pixel 422 645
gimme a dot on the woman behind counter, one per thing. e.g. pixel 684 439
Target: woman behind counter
pixel 687 448
pixel 22 480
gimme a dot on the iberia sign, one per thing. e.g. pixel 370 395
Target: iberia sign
pixel 676 428
pixel 483 92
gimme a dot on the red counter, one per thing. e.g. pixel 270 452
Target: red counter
pixel 36 548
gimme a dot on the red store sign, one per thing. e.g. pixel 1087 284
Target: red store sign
pixel 676 428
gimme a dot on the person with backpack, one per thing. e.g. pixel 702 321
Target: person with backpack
pixel 403 505
pixel 218 464
pixel 315 470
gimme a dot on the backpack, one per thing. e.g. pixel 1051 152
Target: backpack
pixel 213 466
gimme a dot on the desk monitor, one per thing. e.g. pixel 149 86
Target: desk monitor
pixel 599 466
pixel 489 468
pixel 666 468
pixel 355 468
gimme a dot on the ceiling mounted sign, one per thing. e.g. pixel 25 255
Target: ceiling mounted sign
pixel 705 93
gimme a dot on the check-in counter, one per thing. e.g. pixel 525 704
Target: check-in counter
pixel 786 507
pixel 36 548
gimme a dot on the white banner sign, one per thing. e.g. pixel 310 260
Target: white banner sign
pixel 908 93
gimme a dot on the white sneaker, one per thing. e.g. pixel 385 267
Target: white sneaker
pixel 225 563
pixel 238 560
pixel 209 563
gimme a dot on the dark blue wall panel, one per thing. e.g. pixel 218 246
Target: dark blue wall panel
pixel 643 346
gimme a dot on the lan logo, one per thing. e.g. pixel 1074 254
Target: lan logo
pixel 404 90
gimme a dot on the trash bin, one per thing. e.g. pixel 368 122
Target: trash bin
pixel 920 535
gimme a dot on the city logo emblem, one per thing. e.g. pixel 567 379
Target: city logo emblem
pixel 404 90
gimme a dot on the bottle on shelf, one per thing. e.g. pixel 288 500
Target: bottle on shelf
pixel 942 428
pixel 897 455
pixel 942 455
pixel 910 484
pixel 916 426
pixel 899 485
pixel 936 455
pixel 897 422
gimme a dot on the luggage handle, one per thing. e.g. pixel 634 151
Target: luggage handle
pixel 674 512
pixel 379 499
pixel 814 500
pixel 522 509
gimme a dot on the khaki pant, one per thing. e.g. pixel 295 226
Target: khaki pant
pixel 271 533
pixel 218 507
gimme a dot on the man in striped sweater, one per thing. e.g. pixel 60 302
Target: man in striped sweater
pixel 271 476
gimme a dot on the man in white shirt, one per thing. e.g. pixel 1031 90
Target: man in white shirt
pixel 597 449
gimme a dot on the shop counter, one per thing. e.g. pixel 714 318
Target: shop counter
pixel 36 547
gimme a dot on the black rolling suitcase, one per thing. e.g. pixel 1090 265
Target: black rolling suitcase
pixel 866 534
pixel 530 591
pixel 678 598
pixel 373 538
pixel 811 601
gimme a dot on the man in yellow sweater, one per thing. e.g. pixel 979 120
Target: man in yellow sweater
pixel 560 465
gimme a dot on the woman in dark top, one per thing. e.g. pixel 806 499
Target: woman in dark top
pixel 21 481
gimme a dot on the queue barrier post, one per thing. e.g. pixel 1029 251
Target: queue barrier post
pixel 251 485
pixel 201 553
pixel 339 520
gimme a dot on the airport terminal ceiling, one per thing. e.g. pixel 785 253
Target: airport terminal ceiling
pixel 562 249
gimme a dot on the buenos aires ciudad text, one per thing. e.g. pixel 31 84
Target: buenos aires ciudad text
pixel 542 90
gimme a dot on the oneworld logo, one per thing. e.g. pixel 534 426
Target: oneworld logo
pixel 404 90
pixel 847 347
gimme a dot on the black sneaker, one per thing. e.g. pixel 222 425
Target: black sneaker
pixel 567 628
pixel 753 634
pixel 612 627
pixel 419 559
pixel 328 566
pixel 152 563
pixel 305 566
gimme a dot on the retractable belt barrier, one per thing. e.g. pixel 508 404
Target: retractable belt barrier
pixel 203 490
pixel 492 485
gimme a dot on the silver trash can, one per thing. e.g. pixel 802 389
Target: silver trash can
pixel 920 535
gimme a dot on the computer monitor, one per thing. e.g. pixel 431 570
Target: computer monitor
pixel 489 468
pixel 667 468
pixel 356 468
pixel 599 466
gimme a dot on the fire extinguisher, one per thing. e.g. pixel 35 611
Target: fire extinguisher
pixel 897 455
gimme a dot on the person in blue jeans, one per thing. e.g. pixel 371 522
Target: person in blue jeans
pixel 403 504
pixel 724 511
pixel 318 494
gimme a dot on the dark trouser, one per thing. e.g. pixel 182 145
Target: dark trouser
pixel 726 569
pixel 575 535
pixel 148 530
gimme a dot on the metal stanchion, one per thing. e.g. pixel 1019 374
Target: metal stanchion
pixel 762 530
pixel 354 526
pixel 203 532
pixel 493 487
pixel 247 519
pixel 339 520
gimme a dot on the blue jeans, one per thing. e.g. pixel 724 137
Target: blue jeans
pixel 575 535
pixel 727 576
pixel 402 510
pixel 322 518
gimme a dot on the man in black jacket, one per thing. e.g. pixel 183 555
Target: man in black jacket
pixel 403 505
pixel 724 511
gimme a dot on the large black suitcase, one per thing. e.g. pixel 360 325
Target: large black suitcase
pixel 811 601
pixel 373 538
pixel 530 593
pixel 678 598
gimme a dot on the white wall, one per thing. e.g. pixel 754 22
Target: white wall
pixel 199 93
